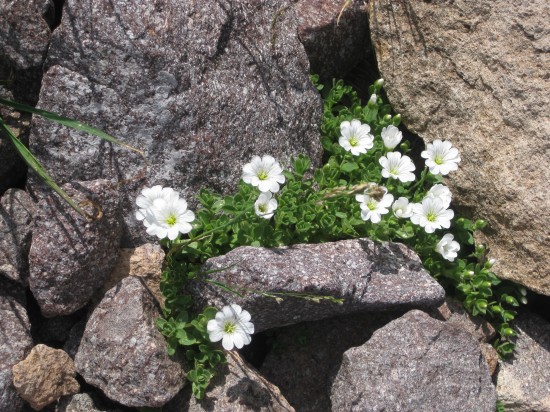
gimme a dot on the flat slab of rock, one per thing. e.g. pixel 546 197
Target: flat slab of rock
pixel 306 357
pixel 15 340
pixel 367 276
pixel 523 381
pixel 16 212
pixel 44 376
pixel 123 353
pixel 201 86
pixel 477 74
pixel 70 256
pixel 238 387
pixel 415 363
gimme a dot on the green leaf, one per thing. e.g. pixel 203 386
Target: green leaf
pixel 348 167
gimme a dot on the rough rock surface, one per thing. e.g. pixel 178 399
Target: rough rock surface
pixel 368 276
pixel 522 383
pixel 200 86
pixel 145 262
pixel 238 387
pixel 16 212
pixel 306 357
pixel 411 364
pixel 71 256
pixel 44 376
pixel 123 353
pixel 333 47
pixel 15 340
pixel 477 74
pixel 81 402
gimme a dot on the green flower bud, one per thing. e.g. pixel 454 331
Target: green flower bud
pixel 486 284
pixel 523 291
pixel 404 146
pixel 378 84
pixel 496 309
pixel 480 224
pixel 372 101
pixel 387 118
pixel 480 249
pixel 523 300
pixel 396 120
pixel 508 332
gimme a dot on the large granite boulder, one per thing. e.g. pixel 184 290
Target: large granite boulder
pixel 16 214
pixel 477 74
pixel 15 340
pixel 523 380
pixel 306 357
pixel 44 376
pixel 200 86
pixel 366 275
pixel 123 353
pixel 412 364
pixel 72 256
pixel 237 387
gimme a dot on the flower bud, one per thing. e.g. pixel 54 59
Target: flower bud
pixel 387 118
pixel 510 300
pixel 405 146
pixel 508 332
pixel 372 101
pixel 523 300
pixel 379 84
pixel 480 224
pixel 523 291
pixel 496 309
pixel 489 264
pixel 396 120
pixel 480 249
pixel 486 284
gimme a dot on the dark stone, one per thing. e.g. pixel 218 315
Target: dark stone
pixel 82 402
pixel 415 363
pixel 16 214
pixel 15 340
pixel 200 86
pixel 333 47
pixel 71 256
pixel 305 358
pixel 237 387
pixel 123 353
pixel 366 275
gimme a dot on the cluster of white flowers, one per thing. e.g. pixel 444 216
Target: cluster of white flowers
pixel 163 213
pixel 232 326
pixel 266 174
pixel 433 211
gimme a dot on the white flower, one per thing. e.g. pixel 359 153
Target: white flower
pixel 232 326
pixel 265 173
pixel 397 167
pixel 149 195
pixel 431 214
pixel 168 217
pixel 447 247
pixel 391 136
pixel 402 208
pixel 372 99
pixel 373 208
pixel 265 205
pixel 442 193
pixel 356 137
pixel 441 157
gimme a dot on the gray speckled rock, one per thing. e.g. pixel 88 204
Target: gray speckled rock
pixel 71 257
pixel 476 73
pixel 238 387
pixel 523 381
pixel 16 211
pixel 15 340
pixel 306 357
pixel 415 363
pixel 123 353
pixel 199 85
pixel 333 49
pixel 81 402
pixel 366 275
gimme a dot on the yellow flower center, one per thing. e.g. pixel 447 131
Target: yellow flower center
pixel 229 327
pixel 432 217
pixel 262 208
pixel 263 175
pixel 353 141
pixel 171 220
pixel 372 205
pixel 438 160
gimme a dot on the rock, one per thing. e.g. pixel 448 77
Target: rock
pixel 306 357
pixel 71 256
pixel 44 376
pixel 333 47
pixel 368 276
pixel 123 353
pixel 200 86
pixel 15 340
pixel 145 262
pixel 16 212
pixel 453 312
pixel 491 357
pixel 24 39
pixel 477 75
pixel 522 382
pixel 237 387
pixel 412 364
pixel 81 402
pixel 75 336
